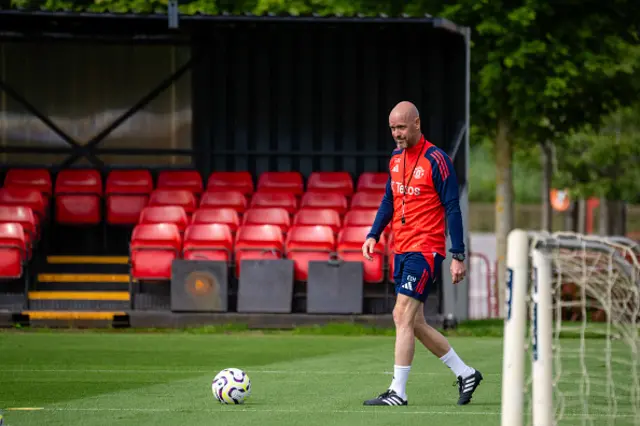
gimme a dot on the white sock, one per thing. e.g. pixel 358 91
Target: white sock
pixel 399 382
pixel 459 368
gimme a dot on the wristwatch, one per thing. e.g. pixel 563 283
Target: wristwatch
pixel 458 256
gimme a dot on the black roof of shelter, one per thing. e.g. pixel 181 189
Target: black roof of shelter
pixel 21 23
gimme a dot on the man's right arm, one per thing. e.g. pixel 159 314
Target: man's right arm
pixel 384 215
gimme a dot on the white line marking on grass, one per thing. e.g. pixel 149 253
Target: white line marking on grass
pixel 374 410
pixel 24 409
pixel 248 370
pixel 267 410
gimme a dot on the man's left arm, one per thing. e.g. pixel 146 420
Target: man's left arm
pixel 446 184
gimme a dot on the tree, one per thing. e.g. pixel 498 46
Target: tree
pixel 538 70
pixel 604 163
pixel 213 7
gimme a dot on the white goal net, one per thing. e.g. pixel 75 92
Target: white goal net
pixel 571 343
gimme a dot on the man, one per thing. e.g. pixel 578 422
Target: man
pixel 422 189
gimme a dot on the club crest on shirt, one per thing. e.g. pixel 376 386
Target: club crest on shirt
pixel 418 173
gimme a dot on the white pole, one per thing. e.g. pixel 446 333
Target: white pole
pixel 514 328
pixel 542 353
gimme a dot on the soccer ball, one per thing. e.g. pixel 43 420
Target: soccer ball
pixel 231 386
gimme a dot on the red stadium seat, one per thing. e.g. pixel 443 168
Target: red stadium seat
pixel 207 242
pixel 333 201
pixel 224 199
pixel 24 217
pixel 268 216
pixel 39 179
pixel 391 255
pixel 366 200
pixel 174 197
pixel 325 217
pixel 153 248
pixel 287 201
pixel 363 218
pixel 231 181
pixel 290 182
pixel 372 182
pixel 164 214
pixel 127 193
pixel 186 180
pixel 360 217
pixel 31 198
pixel 78 196
pixel 308 243
pixel 332 182
pixel 350 242
pixel 255 242
pixel 222 216
pixel 13 253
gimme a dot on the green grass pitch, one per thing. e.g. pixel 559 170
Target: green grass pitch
pixel 131 378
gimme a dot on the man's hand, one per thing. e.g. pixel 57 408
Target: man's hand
pixel 458 271
pixel 367 248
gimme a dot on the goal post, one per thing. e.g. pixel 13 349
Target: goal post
pixel 514 325
pixel 571 349
pixel 541 334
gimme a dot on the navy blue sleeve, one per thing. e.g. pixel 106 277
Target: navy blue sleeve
pixel 446 184
pixel 384 215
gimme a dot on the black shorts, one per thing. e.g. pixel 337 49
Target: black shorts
pixel 415 272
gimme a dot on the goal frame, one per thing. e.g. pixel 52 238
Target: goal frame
pixel 528 263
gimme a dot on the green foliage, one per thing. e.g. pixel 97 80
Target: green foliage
pixel 604 163
pixel 214 7
pixel 139 6
pixel 548 67
pixel 526 175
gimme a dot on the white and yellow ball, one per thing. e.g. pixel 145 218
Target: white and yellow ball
pixel 231 386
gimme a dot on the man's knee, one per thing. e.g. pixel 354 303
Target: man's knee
pixel 419 321
pixel 404 313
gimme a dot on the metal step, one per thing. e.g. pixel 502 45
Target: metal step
pixel 81 282
pixel 80 286
pixel 78 305
pixel 88 260
pixel 85 278
pixel 79 300
pixel 85 265
pixel 72 315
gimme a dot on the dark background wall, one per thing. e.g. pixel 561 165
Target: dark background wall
pixel 317 97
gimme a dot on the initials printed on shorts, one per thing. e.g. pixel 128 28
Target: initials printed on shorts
pixel 410 283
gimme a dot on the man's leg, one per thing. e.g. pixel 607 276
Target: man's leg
pixel 404 314
pixel 437 344
pixel 410 275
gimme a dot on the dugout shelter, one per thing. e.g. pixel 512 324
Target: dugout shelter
pixel 99 106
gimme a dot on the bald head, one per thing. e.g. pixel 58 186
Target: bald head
pixel 404 121
pixel 405 109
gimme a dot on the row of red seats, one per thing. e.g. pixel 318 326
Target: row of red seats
pixel 78 193
pixel 126 209
pixel 276 216
pixel 155 246
pixel 137 181
pixel 291 203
